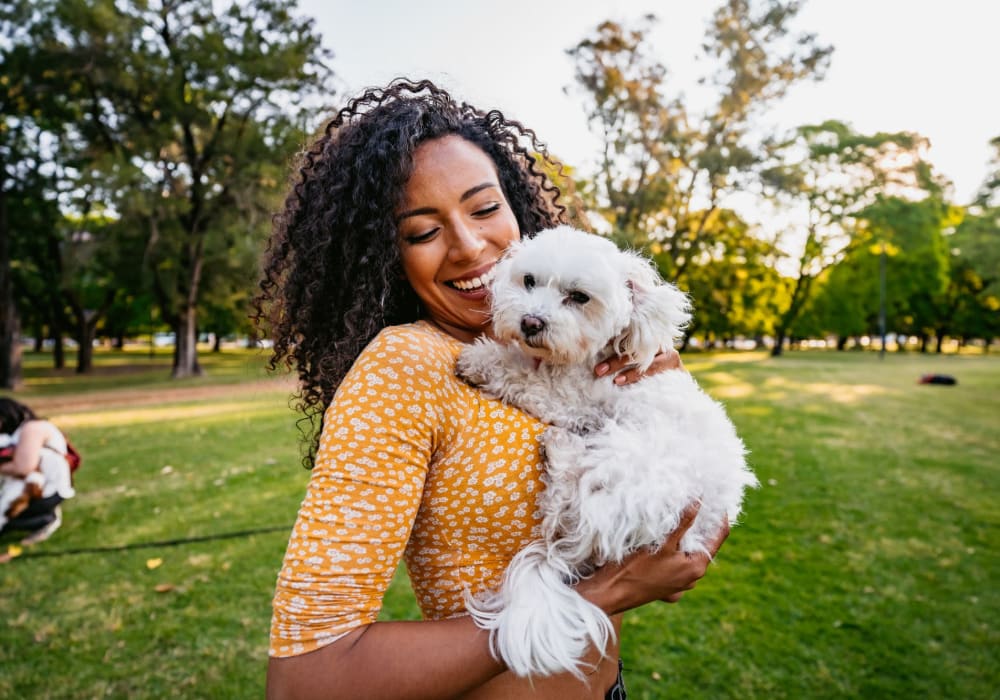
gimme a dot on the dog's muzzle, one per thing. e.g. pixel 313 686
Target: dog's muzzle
pixel 531 325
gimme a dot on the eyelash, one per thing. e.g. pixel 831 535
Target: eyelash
pixel 421 237
pixel 480 213
pixel 486 211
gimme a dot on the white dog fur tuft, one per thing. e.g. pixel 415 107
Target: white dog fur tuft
pixel 622 463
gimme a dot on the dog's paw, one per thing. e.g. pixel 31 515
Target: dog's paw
pixel 468 372
pixel 476 364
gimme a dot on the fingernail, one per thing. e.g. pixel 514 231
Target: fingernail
pixel 602 369
pixel 620 379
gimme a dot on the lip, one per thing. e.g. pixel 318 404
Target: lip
pixel 473 274
pixel 473 294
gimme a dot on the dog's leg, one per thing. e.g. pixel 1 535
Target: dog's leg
pixel 478 363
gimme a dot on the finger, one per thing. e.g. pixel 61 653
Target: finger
pixel 671 359
pixel 687 519
pixel 628 377
pixel 610 366
pixel 719 538
pixel 664 360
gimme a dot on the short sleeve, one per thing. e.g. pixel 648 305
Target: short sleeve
pixel 379 435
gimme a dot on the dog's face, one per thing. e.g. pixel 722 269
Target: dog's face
pixel 565 295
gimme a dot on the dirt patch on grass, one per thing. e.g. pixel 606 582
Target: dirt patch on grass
pixel 140 396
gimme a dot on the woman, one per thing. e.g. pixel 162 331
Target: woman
pixel 376 277
pixel 39 458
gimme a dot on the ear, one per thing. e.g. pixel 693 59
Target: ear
pixel 660 312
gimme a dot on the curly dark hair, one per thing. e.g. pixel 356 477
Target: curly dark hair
pixel 12 414
pixel 332 276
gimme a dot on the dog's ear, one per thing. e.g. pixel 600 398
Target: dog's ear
pixel 660 312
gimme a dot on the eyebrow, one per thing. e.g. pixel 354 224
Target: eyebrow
pixel 430 210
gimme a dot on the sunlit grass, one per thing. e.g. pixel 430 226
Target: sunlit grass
pixel 865 566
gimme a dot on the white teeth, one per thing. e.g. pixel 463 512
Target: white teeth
pixel 475 283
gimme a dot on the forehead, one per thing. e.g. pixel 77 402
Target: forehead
pixel 448 165
pixel 567 267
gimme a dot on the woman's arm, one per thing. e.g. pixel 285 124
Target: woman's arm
pixel 445 658
pixel 397 660
pixel 28 451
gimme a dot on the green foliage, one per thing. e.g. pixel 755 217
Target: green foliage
pixel 183 117
pixel 660 161
pixel 835 173
pixel 917 275
pixel 972 304
pixel 733 282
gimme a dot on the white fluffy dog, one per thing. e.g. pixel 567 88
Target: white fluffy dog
pixel 622 463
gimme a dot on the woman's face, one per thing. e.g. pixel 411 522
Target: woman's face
pixel 454 225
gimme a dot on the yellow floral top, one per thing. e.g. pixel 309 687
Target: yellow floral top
pixel 412 462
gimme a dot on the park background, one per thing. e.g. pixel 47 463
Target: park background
pixel 146 145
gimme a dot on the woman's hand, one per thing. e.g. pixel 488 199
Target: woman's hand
pixel 645 576
pixel 664 360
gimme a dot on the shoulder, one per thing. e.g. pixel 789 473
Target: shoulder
pixel 419 347
pixel 36 431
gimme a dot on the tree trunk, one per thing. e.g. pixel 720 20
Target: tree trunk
pixel 85 351
pixel 56 332
pixel 10 345
pixel 58 348
pixel 186 345
pixel 841 342
pixel 924 339
pixel 216 342
pixel 779 344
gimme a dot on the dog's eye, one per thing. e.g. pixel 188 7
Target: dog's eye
pixel 578 297
pixel 529 281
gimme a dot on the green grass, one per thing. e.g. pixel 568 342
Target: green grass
pixel 865 566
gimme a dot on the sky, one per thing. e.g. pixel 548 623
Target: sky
pixel 913 65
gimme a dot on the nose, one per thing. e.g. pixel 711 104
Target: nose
pixel 531 325
pixel 466 243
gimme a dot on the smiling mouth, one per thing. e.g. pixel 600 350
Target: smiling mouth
pixel 474 284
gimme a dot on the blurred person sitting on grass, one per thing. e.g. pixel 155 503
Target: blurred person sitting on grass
pixel 37 468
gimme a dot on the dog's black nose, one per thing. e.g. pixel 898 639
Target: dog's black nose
pixel 532 325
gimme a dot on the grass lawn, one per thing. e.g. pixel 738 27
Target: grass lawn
pixel 866 566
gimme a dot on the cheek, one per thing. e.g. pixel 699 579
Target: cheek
pixel 417 264
pixel 508 232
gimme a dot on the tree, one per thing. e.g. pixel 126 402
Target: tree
pixel 831 173
pixel 191 109
pixel 917 275
pixel 27 115
pixel 665 170
pixel 845 302
pixel 974 286
pixel 733 283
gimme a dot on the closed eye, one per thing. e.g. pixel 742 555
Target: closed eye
pixel 486 211
pixel 577 297
pixel 421 237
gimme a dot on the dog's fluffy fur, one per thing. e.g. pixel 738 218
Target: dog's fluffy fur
pixel 622 463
